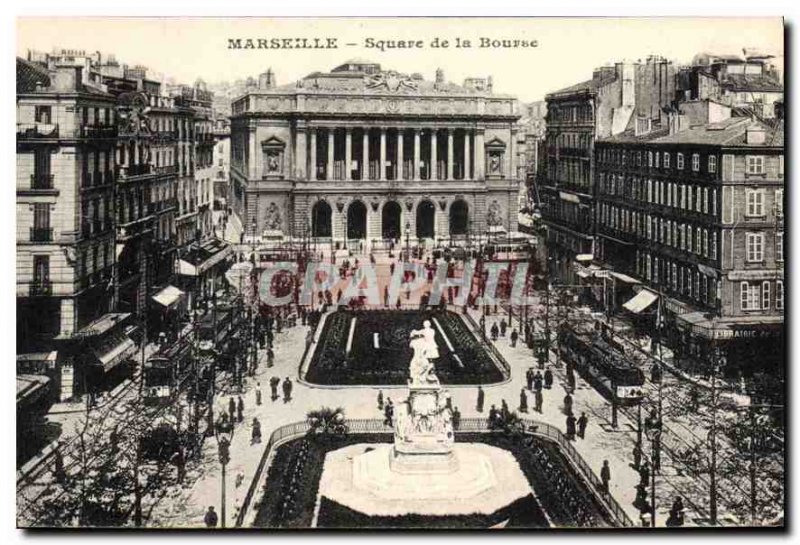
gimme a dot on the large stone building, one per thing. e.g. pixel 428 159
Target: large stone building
pixel 364 153
pixel 605 105
pixel 693 209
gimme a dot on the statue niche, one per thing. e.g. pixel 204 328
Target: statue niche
pixel 273 158
pixel 495 153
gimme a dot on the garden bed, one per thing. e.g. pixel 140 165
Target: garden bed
pixel 331 364
pixel 290 493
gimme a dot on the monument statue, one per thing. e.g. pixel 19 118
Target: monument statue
pixel 423 342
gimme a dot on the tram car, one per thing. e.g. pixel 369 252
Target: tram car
pixel 602 365
pixel 159 380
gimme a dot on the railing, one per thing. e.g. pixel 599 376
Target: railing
pixel 40 234
pixel 96 131
pixel 135 170
pixel 37 130
pixel 467 425
pixel 40 287
pixel 167 169
pixel 41 181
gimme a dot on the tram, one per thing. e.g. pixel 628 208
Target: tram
pixel 602 365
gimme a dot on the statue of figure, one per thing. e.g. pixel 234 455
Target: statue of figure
pixel 423 342
pixel 493 217
pixel 272 162
pixel 273 219
pixel 494 163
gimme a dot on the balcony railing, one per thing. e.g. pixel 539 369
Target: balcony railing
pixel 37 130
pixel 41 287
pixel 135 170
pixel 97 131
pixel 166 169
pixel 41 181
pixel 39 234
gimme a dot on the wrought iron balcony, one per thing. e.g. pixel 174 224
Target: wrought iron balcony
pixel 39 234
pixel 40 288
pixel 97 131
pixel 27 131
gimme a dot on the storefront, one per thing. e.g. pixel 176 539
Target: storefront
pixel 201 269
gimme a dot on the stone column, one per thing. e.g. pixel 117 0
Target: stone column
pixel 312 174
pixel 365 155
pixel 466 155
pixel 382 163
pixel 480 156
pixel 348 151
pixel 329 164
pixel 300 154
pixel 415 170
pixel 449 154
pixel 399 154
pixel 434 141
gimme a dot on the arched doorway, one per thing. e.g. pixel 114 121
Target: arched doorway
pixel 391 220
pixel 425 219
pixel 459 218
pixel 321 220
pixel 356 220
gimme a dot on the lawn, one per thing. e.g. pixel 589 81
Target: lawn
pixel 331 364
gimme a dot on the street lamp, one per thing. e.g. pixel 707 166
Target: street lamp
pixel 652 430
pixel 408 235
pixel 224 434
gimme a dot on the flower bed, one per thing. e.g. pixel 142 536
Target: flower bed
pixel 469 363
pixel 290 492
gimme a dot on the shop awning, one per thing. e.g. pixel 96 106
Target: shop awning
pixel 30 388
pixel 98 327
pixel 168 296
pixel 641 301
pixel 584 274
pixel 624 278
pixel 584 257
pixel 113 349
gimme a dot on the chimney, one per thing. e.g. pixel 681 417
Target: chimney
pixel 489 83
pixel 755 135
pixel 439 76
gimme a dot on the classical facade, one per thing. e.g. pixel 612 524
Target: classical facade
pixel 362 153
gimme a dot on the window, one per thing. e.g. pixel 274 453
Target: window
pixel 755 247
pixel 780 166
pixel 779 203
pixel 705 200
pixel 779 295
pixel 705 242
pixel 658 156
pixel 713 245
pixel 779 246
pixel 712 164
pixel 43 114
pixel 674 276
pixel 650 159
pixel 698 203
pixel 698 241
pixel 695 162
pixel 41 269
pixel 666 160
pixel 688 238
pixel 679 161
pixel 755 164
pixel 714 202
pixel 755 202
pixel 765 295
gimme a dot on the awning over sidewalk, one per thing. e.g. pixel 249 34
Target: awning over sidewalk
pixel 641 301
pixel 98 327
pixel 30 388
pixel 169 296
pixel 113 349
pixel 624 278
pixel 199 260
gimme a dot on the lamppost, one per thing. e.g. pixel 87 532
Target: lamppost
pixel 224 435
pixel 652 430
pixel 408 236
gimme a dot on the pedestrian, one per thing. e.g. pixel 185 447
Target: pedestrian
pixel 637 456
pixel 287 390
pixel 481 396
pixel 571 427
pixel 504 408
pixel 273 386
pixel 258 394
pixel 380 399
pixel 605 475
pixel 676 513
pixel 494 331
pixel 538 399
pixel 571 381
pixel 548 378
pixel 655 373
pixel 211 517
pixel 644 474
pixel 582 422
pixel 270 355
pixel 493 417
pixel 388 413
pixel 568 404
pixel 514 337
pixel 537 380
pixel 231 407
pixel 503 327
pixel 523 401
pixel 256 434
pixel 529 378
pixel 483 326
pixel 58 467
pixel 240 410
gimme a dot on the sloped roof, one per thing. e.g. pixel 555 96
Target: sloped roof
pixel 730 132
pixel 29 74
pixel 752 82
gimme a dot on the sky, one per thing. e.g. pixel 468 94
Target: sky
pixel 567 49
